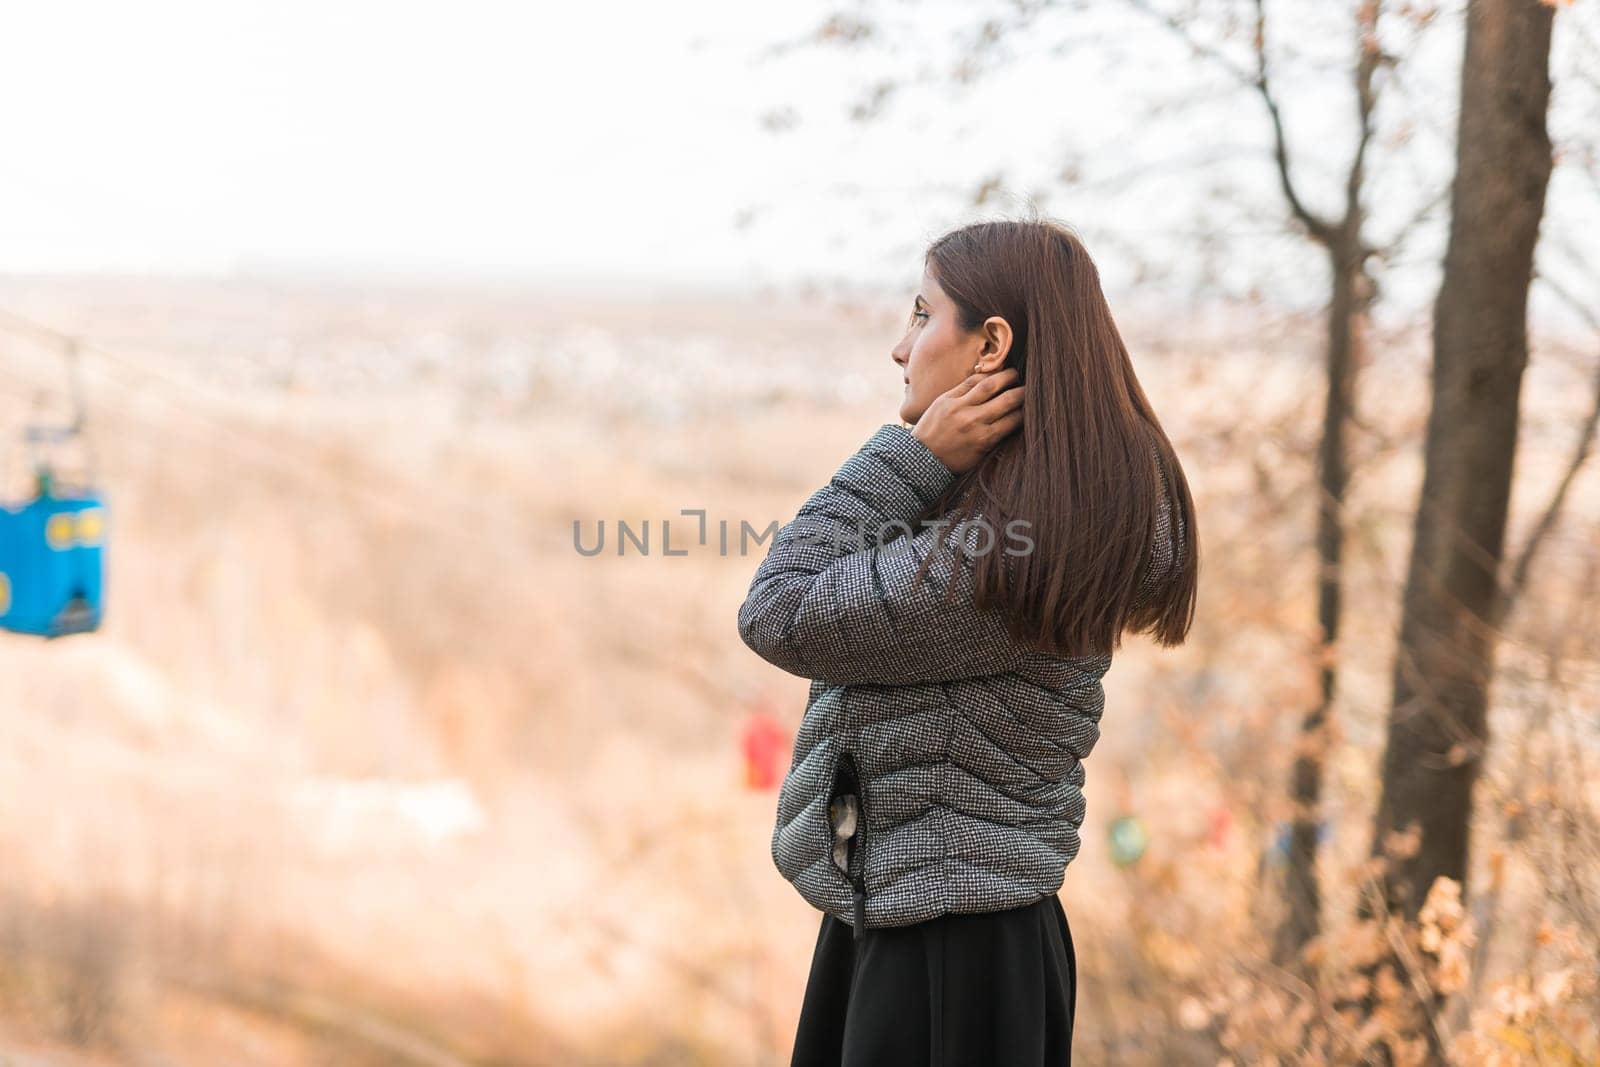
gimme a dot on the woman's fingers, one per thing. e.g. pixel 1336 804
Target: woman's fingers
pixel 966 385
pixel 991 384
pixel 1007 422
pixel 996 397
pixel 1002 405
pixel 995 380
pixel 1003 426
pixel 979 385
pixel 969 419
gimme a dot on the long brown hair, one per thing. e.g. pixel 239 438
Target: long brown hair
pixel 1090 464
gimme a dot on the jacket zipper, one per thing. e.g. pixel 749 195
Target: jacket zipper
pixel 857 856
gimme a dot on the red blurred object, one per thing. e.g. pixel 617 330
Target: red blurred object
pixel 765 744
pixel 1221 824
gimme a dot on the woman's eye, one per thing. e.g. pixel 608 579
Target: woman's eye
pixel 915 315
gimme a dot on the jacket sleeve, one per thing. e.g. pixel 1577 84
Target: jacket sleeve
pixel 831 602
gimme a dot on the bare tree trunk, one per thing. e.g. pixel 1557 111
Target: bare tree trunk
pixel 1444 664
pixel 1346 318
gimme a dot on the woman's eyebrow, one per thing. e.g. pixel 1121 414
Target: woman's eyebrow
pixel 920 300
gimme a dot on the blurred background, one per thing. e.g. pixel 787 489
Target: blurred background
pixel 345 324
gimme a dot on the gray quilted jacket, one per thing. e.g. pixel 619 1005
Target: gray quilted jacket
pixel 937 767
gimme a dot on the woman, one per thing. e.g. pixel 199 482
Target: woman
pixel 954 593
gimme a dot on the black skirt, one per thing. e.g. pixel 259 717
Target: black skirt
pixel 985 988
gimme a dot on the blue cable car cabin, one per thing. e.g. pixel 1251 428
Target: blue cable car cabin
pixel 51 560
pixel 52 544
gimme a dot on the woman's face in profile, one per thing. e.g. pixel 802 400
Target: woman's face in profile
pixel 935 354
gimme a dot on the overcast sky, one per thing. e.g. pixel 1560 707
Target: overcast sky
pixel 616 141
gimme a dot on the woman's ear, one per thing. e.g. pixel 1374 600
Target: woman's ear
pixel 996 343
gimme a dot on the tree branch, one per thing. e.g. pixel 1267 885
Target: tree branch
pixel 1511 590
pixel 1318 227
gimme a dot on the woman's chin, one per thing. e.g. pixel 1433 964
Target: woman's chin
pixel 910 412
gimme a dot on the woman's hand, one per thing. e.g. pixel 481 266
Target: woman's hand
pixel 964 423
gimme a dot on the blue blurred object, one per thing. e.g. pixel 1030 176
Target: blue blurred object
pixel 52 545
pixel 1279 853
pixel 1129 839
pixel 51 561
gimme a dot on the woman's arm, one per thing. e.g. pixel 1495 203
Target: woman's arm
pixel 831 603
